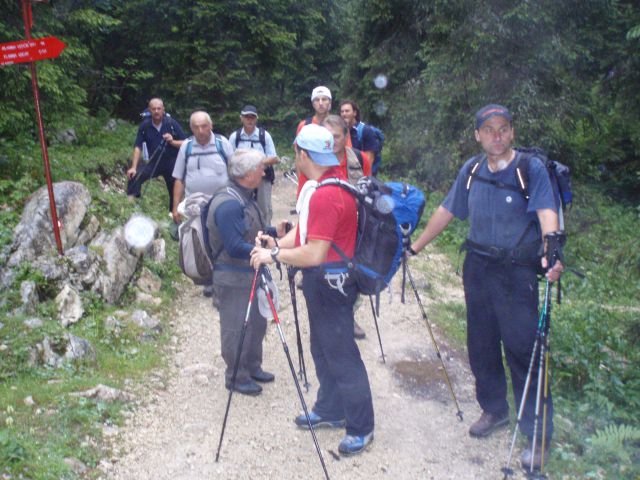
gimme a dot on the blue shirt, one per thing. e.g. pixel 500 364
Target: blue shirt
pixel 229 218
pixel 500 217
pixel 147 132
pixel 369 142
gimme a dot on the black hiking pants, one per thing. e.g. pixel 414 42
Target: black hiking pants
pixel 344 390
pixel 164 169
pixel 502 312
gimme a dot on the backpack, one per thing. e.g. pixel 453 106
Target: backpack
pixel 355 165
pixel 195 257
pixel 187 153
pixel 378 152
pixel 261 138
pixel 559 175
pixel 387 215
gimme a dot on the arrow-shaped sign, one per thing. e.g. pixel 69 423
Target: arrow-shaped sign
pixel 30 50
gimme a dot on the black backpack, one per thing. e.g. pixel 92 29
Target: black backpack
pixel 559 174
pixel 387 215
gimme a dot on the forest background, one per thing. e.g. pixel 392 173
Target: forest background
pixel 568 70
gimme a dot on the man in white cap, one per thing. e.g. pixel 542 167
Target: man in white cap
pixel 321 101
pixel 328 216
pixel 257 138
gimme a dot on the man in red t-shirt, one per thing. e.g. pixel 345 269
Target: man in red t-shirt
pixel 328 216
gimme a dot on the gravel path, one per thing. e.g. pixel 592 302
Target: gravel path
pixel 174 433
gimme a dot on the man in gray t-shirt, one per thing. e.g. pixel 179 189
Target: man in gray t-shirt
pixel 204 170
pixel 506 231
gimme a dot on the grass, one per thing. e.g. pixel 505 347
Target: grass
pixel 36 438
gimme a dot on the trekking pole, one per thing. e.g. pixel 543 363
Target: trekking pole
pixel 302 370
pixel 163 144
pixel 139 173
pixel 375 320
pixel 525 392
pixel 237 361
pixel 435 344
pixel 264 273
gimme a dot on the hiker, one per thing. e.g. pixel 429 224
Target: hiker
pixel 329 216
pixel 201 166
pixel 158 140
pixel 251 136
pixel 204 170
pixel 353 164
pixel 233 221
pixel 366 141
pixel 321 102
pixel 501 288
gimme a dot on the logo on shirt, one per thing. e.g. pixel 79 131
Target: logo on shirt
pixel 509 199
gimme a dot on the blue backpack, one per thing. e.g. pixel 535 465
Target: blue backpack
pixel 378 152
pixel 387 215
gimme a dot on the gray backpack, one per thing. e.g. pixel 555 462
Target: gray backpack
pixel 194 251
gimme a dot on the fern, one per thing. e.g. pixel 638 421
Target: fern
pixel 614 436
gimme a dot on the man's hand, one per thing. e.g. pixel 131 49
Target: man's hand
pixel 264 240
pixel 555 272
pixel 260 256
pixel 131 173
pixel 168 138
pixel 177 218
pixel 271 161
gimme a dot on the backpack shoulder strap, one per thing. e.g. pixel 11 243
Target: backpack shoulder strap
pixel 359 157
pixel 359 130
pixel 187 154
pixel 262 138
pixel 219 148
pixel 472 170
pixel 238 133
pixel 522 172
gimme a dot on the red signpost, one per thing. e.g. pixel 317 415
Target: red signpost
pixel 32 50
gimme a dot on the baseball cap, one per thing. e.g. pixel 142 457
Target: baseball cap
pixel 318 91
pixel 491 110
pixel 318 142
pixel 249 110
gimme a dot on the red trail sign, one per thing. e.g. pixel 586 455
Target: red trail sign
pixel 30 50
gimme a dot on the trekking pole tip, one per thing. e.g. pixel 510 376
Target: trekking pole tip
pixel 507 472
pixel 459 415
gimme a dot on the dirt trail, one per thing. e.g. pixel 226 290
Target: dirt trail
pixel 174 434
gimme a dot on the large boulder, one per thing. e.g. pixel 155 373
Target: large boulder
pixel 120 264
pixel 34 236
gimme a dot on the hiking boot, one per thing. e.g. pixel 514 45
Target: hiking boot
pixel 354 444
pixel 317 422
pixel 262 376
pixel 358 332
pixel 526 459
pixel 488 423
pixel 247 388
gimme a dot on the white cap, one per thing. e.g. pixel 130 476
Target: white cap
pixel 320 91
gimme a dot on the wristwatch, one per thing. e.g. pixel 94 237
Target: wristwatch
pixel 274 253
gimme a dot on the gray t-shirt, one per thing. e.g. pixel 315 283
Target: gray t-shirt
pixel 206 170
pixel 500 217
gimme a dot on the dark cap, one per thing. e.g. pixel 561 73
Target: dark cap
pixel 249 110
pixel 491 110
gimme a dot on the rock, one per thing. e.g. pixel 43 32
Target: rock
pixel 119 264
pixel 78 349
pixel 157 251
pixel 29 402
pixel 199 369
pixel 33 323
pixel 69 306
pixel 104 393
pixel 142 297
pixel 33 236
pixel 28 296
pixel 76 465
pixel 112 323
pixel 143 320
pixel 89 231
pixel 111 125
pixel 148 282
pixel 1 325
pixel 67 135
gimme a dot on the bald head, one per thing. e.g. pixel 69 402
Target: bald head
pixel 201 125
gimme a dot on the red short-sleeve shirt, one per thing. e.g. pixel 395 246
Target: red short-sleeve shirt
pixel 333 217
